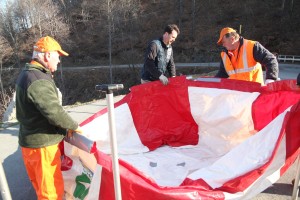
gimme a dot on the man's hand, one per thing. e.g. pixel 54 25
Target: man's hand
pixel 70 132
pixel 163 79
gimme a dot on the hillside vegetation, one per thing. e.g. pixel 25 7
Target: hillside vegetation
pixel 276 26
pixel 97 32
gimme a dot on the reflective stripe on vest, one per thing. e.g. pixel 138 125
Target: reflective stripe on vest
pixel 245 68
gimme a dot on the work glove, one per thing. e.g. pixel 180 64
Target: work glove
pixel 70 132
pixel 269 81
pixel 163 79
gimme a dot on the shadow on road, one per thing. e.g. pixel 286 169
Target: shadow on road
pixel 280 189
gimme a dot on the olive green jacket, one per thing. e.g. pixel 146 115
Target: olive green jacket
pixel 43 121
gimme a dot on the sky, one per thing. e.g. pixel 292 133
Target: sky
pixel 2 2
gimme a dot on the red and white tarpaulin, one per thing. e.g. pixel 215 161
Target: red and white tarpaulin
pixel 219 139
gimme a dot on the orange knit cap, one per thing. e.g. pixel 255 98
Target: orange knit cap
pixel 47 44
pixel 224 31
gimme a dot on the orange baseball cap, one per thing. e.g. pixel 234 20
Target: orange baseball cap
pixel 224 31
pixel 47 44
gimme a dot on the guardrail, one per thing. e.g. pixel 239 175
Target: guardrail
pixel 285 58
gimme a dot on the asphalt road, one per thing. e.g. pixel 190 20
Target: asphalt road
pixel 21 188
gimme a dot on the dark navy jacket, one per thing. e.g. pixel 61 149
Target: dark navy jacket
pixel 158 60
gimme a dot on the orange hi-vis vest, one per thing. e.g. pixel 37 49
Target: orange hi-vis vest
pixel 245 68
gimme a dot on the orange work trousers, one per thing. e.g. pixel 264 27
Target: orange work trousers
pixel 43 168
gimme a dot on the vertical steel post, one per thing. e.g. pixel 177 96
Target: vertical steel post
pixel 109 88
pixel 113 144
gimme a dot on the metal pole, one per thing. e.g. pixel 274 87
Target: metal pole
pixel 5 193
pixel 113 145
pixel 297 181
pixel 109 88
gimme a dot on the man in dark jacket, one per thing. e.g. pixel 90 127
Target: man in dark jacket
pixel 159 57
pixel 43 121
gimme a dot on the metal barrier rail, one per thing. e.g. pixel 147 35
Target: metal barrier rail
pixel 285 58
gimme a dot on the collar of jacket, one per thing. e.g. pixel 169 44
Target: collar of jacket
pixel 34 64
pixel 163 44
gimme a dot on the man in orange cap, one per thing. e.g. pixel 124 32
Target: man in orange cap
pixel 43 121
pixel 243 59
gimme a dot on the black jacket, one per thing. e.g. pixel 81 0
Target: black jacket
pixel 150 69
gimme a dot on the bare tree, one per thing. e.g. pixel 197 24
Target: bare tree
pixel 193 19
pixel 5 52
pixel 115 14
pixel 119 14
pixel 291 5
pixel 180 2
pixel 9 29
pixel 23 21
pixel 110 25
pixel 43 17
pixel 282 4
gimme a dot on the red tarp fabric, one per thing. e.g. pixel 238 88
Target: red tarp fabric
pixel 162 116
